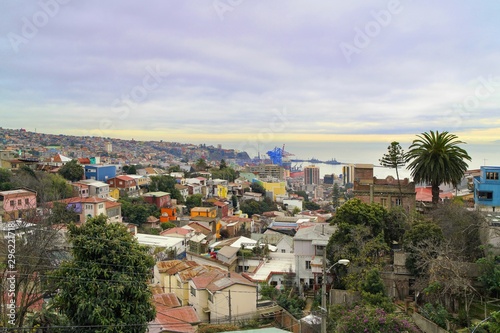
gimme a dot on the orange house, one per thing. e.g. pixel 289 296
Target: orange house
pixel 204 212
pixel 168 214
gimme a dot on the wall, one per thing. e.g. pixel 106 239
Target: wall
pixel 426 325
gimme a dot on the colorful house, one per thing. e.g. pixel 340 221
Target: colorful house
pixel 160 199
pixel 487 188
pixel 16 204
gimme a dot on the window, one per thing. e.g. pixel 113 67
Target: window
pixel 492 175
pixel 101 206
pixel 283 251
pixel 485 195
pixel 12 203
pixel 398 202
pixel 193 291
pixel 308 264
pixel 88 207
pixel 319 250
pixel 210 297
pixel 383 202
pixel 19 202
pixel 26 201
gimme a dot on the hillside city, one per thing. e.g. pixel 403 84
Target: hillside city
pixel 232 242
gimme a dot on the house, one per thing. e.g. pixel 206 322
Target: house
pixel 16 204
pixel 487 189
pixel 168 214
pixel 183 190
pixel 92 207
pixel 385 192
pixel 152 223
pixel 204 212
pixel 222 208
pixel 252 196
pixel 171 316
pixel 125 184
pixel 99 172
pixel 80 190
pixel 236 225
pixel 175 245
pixel 95 188
pixel 222 297
pixel 309 243
pixel 159 199
pixel 487 199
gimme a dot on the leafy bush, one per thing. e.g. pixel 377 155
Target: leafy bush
pixel 436 313
pixel 369 320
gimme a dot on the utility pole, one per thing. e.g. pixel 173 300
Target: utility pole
pixel 324 315
pixel 229 300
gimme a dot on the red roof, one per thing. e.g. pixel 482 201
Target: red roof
pixel 424 194
pixel 168 300
pixel 123 177
pixel 179 319
pixel 176 231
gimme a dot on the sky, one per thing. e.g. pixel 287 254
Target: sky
pixel 215 71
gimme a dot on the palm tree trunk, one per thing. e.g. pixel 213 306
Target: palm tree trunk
pixel 435 194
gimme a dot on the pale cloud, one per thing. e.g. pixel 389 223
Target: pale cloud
pixel 228 76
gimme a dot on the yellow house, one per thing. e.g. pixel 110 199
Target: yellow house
pixel 204 212
pixel 222 191
pixel 114 193
pixel 278 188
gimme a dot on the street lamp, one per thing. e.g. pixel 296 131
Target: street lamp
pixel 323 288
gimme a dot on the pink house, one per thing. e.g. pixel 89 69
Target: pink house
pixel 15 204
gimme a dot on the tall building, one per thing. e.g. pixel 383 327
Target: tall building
pixel 311 175
pixel 109 147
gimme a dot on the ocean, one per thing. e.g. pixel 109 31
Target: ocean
pixel 364 152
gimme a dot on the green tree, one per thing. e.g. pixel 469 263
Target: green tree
pixel 5 180
pixel 137 210
pixel 422 235
pixel 234 201
pixel 104 287
pixel 72 171
pixel 222 164
pixel 394 158
pixel 436 158
pixel 373 290
pixel 130 169
pixel 335 195
pixel 201 165
pixel 309 205
pixel 258 188
pixel 167 225
pixel 166 184
pixel 490 273
pixel 194 200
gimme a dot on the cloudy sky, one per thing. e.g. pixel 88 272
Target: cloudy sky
pixel 221 70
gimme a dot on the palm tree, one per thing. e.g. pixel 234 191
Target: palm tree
pixel 436 158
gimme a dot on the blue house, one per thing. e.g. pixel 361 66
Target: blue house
pixel 487 188
pixel 100 172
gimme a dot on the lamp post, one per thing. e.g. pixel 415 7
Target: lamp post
pixel 323 288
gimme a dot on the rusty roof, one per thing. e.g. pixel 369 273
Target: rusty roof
pixel 168 300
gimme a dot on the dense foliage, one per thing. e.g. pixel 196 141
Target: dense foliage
pixel 167 184
pixel 369 320
pixel 72 171
pixel 137 210
pixel 103 288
